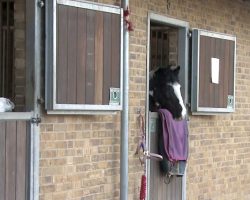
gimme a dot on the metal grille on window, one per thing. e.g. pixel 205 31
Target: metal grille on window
pixel 6 48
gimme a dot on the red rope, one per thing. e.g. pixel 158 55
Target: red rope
pixel 143 188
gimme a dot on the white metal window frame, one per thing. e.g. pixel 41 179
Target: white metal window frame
pixel 56 108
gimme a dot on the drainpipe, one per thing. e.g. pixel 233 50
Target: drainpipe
pixel 124 115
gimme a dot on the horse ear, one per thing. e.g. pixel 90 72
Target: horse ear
pixel 177 69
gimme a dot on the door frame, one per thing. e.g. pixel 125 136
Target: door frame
pixel 183 38
pixel 34 61
pixel 35 32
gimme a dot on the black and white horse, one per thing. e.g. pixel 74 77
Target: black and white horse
pixel 165 91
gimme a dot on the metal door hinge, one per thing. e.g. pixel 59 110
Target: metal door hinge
pixel 36 120
pixel 40 101
pixel 40 3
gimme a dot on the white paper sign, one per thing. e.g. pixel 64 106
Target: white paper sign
pixel 215 70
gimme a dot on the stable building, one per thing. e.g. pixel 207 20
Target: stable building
pixel 78 74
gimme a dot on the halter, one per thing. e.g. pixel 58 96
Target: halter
pixel 141 143
pixel 143 155
pixel 142 146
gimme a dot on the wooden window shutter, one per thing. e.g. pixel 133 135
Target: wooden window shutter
pixel 87 56
pixel 213 57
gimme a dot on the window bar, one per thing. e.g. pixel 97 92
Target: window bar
pixel 11 51
pixel 12 87
pixel 1 47
pixel 3 59
pixel 7 48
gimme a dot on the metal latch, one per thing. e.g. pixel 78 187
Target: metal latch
pixel 36 120
pixel 153 156
pixel 230 101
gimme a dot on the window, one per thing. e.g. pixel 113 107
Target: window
pixel 13 69
pixel 7 49
pixel 83 56
pixel 213 72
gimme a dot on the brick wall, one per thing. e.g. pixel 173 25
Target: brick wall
pixel 79 157
pixel 80 154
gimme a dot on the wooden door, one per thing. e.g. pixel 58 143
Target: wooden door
pixel 14 159
pixel 158 189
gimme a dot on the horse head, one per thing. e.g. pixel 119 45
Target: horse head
pixel 165 91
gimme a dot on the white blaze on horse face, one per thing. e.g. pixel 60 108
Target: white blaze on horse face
pixel 177 91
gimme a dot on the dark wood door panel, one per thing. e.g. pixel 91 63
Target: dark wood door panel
pixel 14 160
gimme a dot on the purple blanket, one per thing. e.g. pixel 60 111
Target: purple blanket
pixel 175 135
